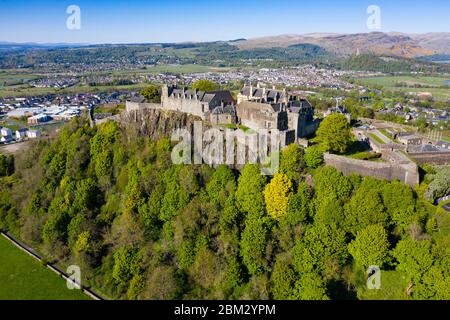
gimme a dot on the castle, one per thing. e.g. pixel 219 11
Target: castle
pixel 256 108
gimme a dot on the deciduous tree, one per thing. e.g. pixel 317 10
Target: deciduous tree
pixel 334 134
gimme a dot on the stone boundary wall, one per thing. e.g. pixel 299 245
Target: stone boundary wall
pixel 407 173
pixel 437 158
pixel 133 106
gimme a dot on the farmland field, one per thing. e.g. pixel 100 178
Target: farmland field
pixel 24 278
pixel 15 84
pixel 434 85
pixel 186 68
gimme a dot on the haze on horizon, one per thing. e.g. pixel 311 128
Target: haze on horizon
pixel 140 21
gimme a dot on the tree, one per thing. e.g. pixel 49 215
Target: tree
pixel 162 284
pixel 205 85
pixel 277 194
pixel 137 285
pixel 6 165
pixel 414 258
pixel 282 279
pixel 233 276
pixel 249 193
pixel 313 157
pixel 334 134
pixel 440 186
pixel 331 182
pixel 83 243
pixel 319 249
pixel 299 207
pixel 310 286
pixel 205 270
pixel 151 93
pixel 253 244
pixel 371 246
pixel 400 204
pixel 217 186
pixel 329 211
pixel 363 209
pixel 126 264
pixel 291 162
pixel 174 199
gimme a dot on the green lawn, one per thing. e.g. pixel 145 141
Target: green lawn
pixel 24 278
pixel 376 138
pixel 393 287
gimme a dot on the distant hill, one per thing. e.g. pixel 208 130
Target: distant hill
pixel 390 44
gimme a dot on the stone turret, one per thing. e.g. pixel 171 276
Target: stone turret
pixel 285 97
pixel 164 95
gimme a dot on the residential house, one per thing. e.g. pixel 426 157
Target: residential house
pixel 40 118
pixel 6 139
pixel 6 132
pixel 21 133
pixel 33 134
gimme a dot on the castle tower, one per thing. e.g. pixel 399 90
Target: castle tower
pixel 285 97
pixel 164 95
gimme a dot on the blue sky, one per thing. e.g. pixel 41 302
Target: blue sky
pixel 130 21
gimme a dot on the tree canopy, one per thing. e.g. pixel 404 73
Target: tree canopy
pixel 109 200
pixel 152 94
pixel 205 85
pixel 334 134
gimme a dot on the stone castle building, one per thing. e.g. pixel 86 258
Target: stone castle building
pixel 196 102
pixel 262 95
pixel 217 106
pixel 262 108
pixel 256 108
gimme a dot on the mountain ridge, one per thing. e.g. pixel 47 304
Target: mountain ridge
pixel 393 43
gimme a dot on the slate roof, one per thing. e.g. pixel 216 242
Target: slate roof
pixel 443 144
pixel 427 148
pixel 138 99
pixel 259 92
pixel 199 95
pixel 224 110
pixel 272 108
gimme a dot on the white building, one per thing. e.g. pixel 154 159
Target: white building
pixel 33 134
pixel 6 139
pixel 6 132
pixel 21 133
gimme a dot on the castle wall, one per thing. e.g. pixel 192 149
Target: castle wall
pixel 407 173
pixel 437 158
pixel 222 119
pixel 134 106
pixel 194 107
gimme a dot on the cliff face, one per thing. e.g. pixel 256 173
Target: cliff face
pixel 155 123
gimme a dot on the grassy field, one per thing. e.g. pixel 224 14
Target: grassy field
pixel 24 278
pixel 14 76
pixel 376 138
pixel 434 85
pixel 13 83
pixel 25 90
pixel 393 287
pixel 186 68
